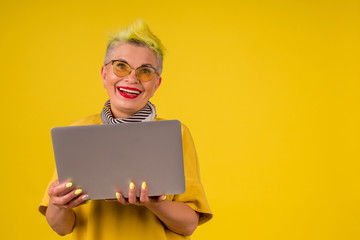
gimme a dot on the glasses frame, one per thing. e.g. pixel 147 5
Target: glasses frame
pixel 132 69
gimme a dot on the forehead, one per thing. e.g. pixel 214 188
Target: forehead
pixel 134 55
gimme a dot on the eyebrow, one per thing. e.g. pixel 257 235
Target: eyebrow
pixel 120 60
pixel 147 65
pixel 143 65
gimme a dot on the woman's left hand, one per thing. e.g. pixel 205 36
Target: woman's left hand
pixel 144 199
pixel 177 216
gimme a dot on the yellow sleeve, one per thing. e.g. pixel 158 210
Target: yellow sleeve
pixel 194 194
pixel 45 200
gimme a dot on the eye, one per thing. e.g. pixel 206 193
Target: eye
pixel 121 66
pixel 146 70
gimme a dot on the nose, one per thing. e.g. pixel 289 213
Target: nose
pixel 132 78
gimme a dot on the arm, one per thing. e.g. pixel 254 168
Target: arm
pixel 62 200
pixel 60 220
pixel 177 216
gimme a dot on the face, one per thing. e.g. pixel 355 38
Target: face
pixel 128 94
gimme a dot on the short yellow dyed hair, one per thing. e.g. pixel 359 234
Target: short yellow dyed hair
pixel 137 33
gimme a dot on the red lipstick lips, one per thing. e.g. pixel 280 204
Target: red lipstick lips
pixel 128 92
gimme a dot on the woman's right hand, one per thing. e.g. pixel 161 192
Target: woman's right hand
pixel 62 199
pixel 64 196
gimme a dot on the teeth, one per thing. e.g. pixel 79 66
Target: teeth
pixel 129 91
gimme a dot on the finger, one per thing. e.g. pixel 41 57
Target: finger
pixel 121 199
pixel 132 193
pixel 85 202
pixel 162 197
pixel 57 189
pixel 67 198
pixel 144 198
pixel 81 199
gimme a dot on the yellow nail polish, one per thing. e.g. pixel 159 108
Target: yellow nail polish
pixel 163 198
pixel 69 185
pixel 77 192
pixel 143 185
pixel 88 201
pixel 118 195
pixel 132 186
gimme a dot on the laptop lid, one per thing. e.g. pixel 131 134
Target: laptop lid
pixel 103 159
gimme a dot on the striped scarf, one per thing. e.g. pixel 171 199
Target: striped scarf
pixel 147 113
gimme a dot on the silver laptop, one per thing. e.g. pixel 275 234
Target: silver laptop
pixel 103 159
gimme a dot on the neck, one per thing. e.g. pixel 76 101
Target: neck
pixel 116 116
pixel 123 115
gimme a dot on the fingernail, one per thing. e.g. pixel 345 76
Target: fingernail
pixel 85 197
pixel 77 192
pixel 143 185
pixel 163 198
pixel 118 195
pixel 88 201
pixel 69 185
pixel 132 185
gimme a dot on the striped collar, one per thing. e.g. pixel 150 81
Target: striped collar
pixel 147 113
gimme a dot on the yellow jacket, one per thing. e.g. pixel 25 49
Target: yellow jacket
pixel 110 220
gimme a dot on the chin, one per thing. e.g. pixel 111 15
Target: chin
pixel 126 107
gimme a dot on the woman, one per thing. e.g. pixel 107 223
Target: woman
pixel 131 75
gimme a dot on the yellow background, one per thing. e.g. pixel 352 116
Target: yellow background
pixel 269 90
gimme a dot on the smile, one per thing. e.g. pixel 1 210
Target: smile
pixel 128 92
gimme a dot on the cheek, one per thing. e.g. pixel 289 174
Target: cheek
pixel 109 82
pixel 152 89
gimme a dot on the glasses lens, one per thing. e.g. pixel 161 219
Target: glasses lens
pixel 145 73
pixel 121 69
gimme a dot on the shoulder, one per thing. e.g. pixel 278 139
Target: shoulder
pixel 184 128
pixel 89 120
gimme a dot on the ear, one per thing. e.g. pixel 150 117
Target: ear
pixel 103 75
pixel 158 84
